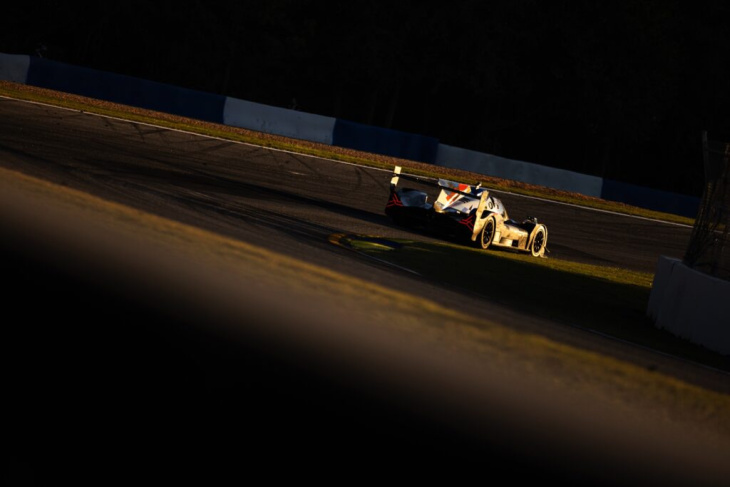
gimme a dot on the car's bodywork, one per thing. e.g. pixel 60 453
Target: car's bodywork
pixel 464 211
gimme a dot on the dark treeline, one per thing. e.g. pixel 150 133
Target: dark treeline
pixel 620 89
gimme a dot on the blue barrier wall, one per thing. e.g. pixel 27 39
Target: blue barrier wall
pixel 652 199
pixel 125 90
pixel 384 141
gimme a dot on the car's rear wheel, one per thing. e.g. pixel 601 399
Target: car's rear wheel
pixel 537 248
pixel 487 234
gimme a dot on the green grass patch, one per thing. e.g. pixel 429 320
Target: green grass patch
pixel 606 300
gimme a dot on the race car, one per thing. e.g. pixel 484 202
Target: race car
pixel 465 212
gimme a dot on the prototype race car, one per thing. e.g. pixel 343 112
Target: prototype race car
pixel 465 212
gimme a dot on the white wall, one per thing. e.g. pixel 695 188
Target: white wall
pixel 691 305
pixel 278 121
pixel 526 172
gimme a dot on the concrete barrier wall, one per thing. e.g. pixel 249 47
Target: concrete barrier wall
pixel 14 67
pixel 383 141
pixel 652 199
pixel 691 305
pixel 125 90
pixel 278 121
pixel 526 172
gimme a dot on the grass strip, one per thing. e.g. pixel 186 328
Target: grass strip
pixel 606 300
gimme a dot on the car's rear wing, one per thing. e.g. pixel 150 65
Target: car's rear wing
pixel 452 186
pixel 397 175
pixel 459 196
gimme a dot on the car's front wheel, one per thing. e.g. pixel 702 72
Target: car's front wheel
pixel 487 234
pixel 537 248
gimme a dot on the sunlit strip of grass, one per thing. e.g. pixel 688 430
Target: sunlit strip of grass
pixel 607 300
pixel 24 92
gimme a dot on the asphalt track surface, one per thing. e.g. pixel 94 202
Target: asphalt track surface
pixel 289 204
